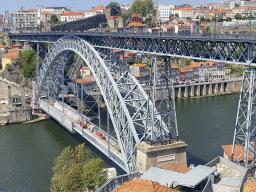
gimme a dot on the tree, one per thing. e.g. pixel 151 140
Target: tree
pixel 143 7
pixel 228 19
pixel 213 18
pixel 197 17
pixel 202 19
pixel 207 29
pixel 93 174
pixel 238 16
pixel 54 19
pixel 115 8
pixel 29 63
pixel 176 14
pixel 220 19
pixel 150 22
pixel 244 17
pixel 68 169
pixel 189 18
pixel 207 19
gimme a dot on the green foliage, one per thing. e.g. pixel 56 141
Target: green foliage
pixel 207 19
pixel 236 69
pixel 115 8
pixel 93 174
pixel 176 14
pixel 149 21
pixel 142 7
pixel 207 29
pixel 238 16
pixel 213 18
pixel 189 18
pixel 197 17
pixel 244 17
pixel 202 19
pixel 228 19
pixel 220 19
pixel 8 67
pixel 29 63
pixel 188 61
pixel 54 19
pixel 71 168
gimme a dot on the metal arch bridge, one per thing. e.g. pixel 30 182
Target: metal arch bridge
pixel 229 50
pixel 134 116
pixel 241 50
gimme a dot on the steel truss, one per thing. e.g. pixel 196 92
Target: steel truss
pixel 245 130
pixel 240 51
pixel 126 101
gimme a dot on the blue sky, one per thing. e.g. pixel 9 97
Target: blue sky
pixel 14 5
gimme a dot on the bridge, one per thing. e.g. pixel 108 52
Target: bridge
pixel 135 115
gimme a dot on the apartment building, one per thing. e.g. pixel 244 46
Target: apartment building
pixel 25 21
pixel 184 12
pixel 164 12
pixel 72 16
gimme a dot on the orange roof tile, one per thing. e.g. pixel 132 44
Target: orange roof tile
pixel 11 55
pixel 79 81
pixel 99 7
pixel 32 10
pixel 47 13
pixel 186 70
pixel 237 151
pixel 130 53
pixel 250 186
pixel 136 75
pixel 174 67
pixel 139 65
pixel 116 51
pixel 93 11
pixel 72 13
pixel 139 185
pixel 179 167
pixel 2 46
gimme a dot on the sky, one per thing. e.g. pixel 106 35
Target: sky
pixel 79 5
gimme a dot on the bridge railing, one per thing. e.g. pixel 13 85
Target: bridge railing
pixel 149 34
pixel 116 181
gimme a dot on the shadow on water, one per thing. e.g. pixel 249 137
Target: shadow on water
pixel 192 159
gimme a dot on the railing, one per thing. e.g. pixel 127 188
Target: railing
pixel 115 182
pixel 148 34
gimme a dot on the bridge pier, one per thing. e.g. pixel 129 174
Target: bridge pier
pixel 192 91
pixel 210 89
pixel 204 90
pixel 198 91
pixel 216 88
pixel 186 92
pixel 158 155
pixel 222 87
pixel 179 93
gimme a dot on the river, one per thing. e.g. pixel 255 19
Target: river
pixel 28 150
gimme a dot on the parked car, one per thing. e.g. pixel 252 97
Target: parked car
pixel 188 83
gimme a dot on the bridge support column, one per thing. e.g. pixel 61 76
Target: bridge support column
pixel 198 91
pixel 216 88
pixel 192 91
pixel 222 88
pixel 158 155
pixel 210 89
pixel 179 94
pixel 204 90
pixel 186 92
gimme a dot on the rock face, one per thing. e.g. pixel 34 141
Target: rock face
pixel 15 74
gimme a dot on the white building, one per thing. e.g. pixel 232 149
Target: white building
pixel 72 16
pixel 91 13
pixel 164 12
pixel 184 12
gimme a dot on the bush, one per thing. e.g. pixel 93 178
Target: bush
pixel 29 63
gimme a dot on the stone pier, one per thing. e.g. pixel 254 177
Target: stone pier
pixel 179 93
pixel 192 93
pixel 198 91
pixel 186 92
pixel 158 155
pixel 204 90
pixel 210 89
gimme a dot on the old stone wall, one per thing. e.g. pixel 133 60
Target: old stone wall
pixel 19 115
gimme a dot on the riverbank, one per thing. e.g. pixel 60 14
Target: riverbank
pixel 37 117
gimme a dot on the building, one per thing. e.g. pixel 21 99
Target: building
pixel 184 12
pixel 25 21
pixel 46 16
pixel 3 48
pixel 100 8
pixel 164 12
pixel 72 16
pixel 91 13
pixel 9 59
pixel 115 21
pixel 85 71
pixel 139 69
pixel 182 28
pixel 186 74
pixel 136 25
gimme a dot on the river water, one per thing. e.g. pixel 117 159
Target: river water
pixel 28 150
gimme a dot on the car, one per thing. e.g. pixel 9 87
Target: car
pixel 188 83
pixel 196 81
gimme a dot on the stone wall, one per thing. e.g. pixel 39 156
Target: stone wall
pixel 19 115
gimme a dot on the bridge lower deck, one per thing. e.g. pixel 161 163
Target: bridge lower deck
pixel 108 146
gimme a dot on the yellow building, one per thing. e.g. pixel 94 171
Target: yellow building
pixel 9 58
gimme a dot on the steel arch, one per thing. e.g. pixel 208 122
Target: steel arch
pixel 125 99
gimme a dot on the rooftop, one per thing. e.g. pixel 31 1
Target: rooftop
pixel 99 7
pixel 238 152
pixel 11 56
pixel 141 185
